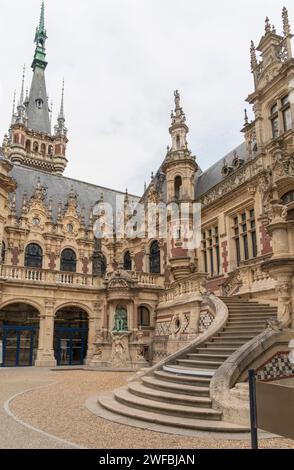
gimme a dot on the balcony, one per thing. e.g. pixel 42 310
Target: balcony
pixel 43 276
pixel 77 280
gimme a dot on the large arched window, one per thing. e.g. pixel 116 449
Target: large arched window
pixel 33 256
pixel 288 197
pixel 154 259
pixel 127 261
pixel 68 261
pixel 143 316
pixel 99 265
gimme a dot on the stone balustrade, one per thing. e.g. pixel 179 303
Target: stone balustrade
pixel 34 275
pixel 248 278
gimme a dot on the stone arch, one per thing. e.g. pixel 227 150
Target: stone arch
pixel 75 304
pixel 19 327
pixel 71 333
pixel 31 303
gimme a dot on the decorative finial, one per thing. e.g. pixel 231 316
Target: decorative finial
pixel 21 98
pixel 274 31
pixel 145 187
pixel 13 117
pixel 253 57
pixel 267 25
pixel 286 24
pixel 59 212
pixel 152 176
pixel 246 121
pixel 40 40
pixel 177 99
pixel 61 113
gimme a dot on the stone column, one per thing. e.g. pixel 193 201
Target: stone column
pixel 93 329
pixel 45 354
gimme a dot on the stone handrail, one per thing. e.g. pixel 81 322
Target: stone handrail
pixel 147 279
pixel 248 277
pixel 221 318
pixel 183 287
pixel 236 410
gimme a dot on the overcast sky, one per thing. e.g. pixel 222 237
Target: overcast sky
pixel 122 60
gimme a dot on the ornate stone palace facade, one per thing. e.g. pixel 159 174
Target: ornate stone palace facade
pixel 69 297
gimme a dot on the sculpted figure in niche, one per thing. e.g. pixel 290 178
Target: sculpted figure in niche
pixel 120 320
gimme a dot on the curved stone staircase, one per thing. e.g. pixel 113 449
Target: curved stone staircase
pixel 178 394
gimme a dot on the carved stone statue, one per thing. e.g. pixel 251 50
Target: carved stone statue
pixel 120 320
pixel 119 350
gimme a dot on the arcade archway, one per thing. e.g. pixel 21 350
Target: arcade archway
pixel 71 336
pixel 19 325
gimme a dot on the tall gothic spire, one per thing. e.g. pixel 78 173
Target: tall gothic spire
pixel 21 106
pixel 40 40
pixel 38 118
pixel 60 128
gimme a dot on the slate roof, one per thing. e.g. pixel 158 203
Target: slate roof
pixel 58 189
pixel 38 117
pixel 213 175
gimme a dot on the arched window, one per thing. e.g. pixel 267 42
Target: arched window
pixel 143 316
pixel 50 150
pixel 178 142
pixel 36 147
pixel 154 259
pixel 127 261
pixel 288 197
pixel 33 256
pixel 28 146
pixel 178 187
pixel 43 150
pixel 68 261
pixel 3 252
pixel 99 265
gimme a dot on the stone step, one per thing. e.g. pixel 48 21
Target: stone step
pixel 108 402
pixel 167 386
pixel 207 355
pixel 217 350
pixel 246 329
pixel 201 364
pixel 227 343
pixel 175 398
pixel 240 332
pixel 245 323
pixel 185 371
pixel 247 309
pixel 244 318
pixel 239 337
pixel 181 379
pixel 123 396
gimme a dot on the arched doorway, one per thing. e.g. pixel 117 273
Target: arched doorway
pixel 70 336
pixel 19 324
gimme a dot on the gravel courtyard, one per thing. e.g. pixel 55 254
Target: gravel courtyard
pixel 58 408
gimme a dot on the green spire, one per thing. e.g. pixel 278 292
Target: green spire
pixel 40 40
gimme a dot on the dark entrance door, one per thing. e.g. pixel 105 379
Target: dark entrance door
pixel 19 344
pixel 70 345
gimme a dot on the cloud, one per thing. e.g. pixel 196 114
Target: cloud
pixel 121 60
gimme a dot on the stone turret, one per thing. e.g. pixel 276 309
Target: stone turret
pixel 31 141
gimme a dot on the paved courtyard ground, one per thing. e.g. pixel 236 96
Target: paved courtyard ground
pixel 58 408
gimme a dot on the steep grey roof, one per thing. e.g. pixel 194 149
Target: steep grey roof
pixel 211 177
pixel 38 116
pixel 58 189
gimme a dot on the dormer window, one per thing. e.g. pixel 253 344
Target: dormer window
pixel 39 103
